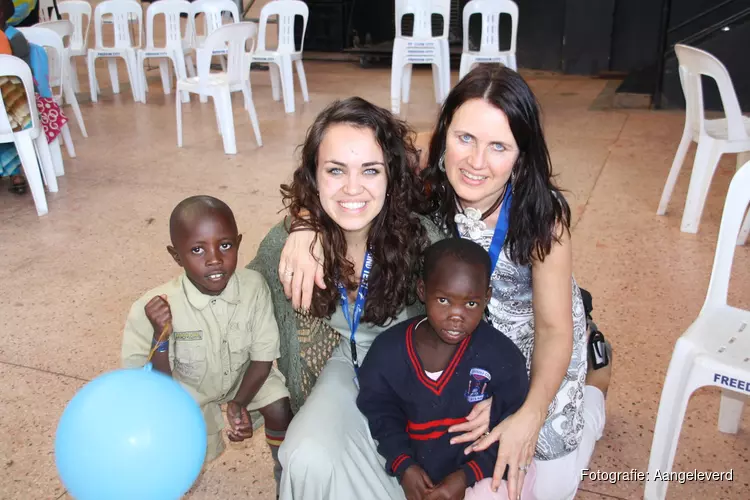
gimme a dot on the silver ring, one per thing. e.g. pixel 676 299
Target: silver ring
pixel 288 272
pixel 523 468
pixel 486 433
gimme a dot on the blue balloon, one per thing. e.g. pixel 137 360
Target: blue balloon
pixel 130 434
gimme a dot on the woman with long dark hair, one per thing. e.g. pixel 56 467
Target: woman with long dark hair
pixel 489 179
pixel 357 190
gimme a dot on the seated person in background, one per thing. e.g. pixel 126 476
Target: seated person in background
pixel 222 334
pixel 425 374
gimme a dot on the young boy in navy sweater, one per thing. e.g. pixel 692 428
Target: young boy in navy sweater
pixel 425 374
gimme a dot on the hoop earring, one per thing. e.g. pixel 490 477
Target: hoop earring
pixel 441 162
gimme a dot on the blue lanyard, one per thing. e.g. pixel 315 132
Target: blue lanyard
pixel 359 305
pixel 501 229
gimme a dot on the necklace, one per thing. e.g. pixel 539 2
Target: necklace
pixel 473 220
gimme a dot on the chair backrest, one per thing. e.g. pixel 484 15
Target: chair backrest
pixel 490 10
pixel 232 38
pixel 47 11
pixel 694 63
pixel 79 13
pixel 13 66
pixel 49 40
pixel 64 28
pixel 287 10
pixel 423 10
pixel 213 11
pixel 171 9
pixel 123 12
pixel 738 198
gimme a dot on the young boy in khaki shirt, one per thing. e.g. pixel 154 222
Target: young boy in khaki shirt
pixel 223 336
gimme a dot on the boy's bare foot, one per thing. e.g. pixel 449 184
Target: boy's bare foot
pixel 600 378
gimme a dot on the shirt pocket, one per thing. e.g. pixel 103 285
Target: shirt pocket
pixel 239 349
pixel 190 362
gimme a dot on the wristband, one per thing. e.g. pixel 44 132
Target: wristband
pixel 162 346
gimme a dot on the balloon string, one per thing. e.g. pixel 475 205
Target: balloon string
pixel 162 337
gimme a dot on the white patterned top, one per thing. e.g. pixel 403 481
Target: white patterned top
pixel 511 312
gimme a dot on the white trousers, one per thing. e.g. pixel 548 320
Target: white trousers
pixel 559 479
pixel 328 452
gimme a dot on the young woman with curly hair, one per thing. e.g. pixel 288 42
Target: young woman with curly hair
pixel 356 188
pixel 489 179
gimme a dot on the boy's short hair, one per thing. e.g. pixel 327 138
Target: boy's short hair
pixel 198 206
pixel 458 248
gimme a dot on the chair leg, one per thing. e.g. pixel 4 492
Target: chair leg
pixel 70 97
pixel 136 87
pixel 46 162
pixel 114 78
pixel 674 172
pixel 302 79
pixel 706 158
pixel 275 80
pixel 190 67
pixel 674 400
pixel 730 411
pixel 465 66
pixel 251 111
pixel 166 78
pixel 57 159
pixel 73 72
pixel 397 72
pixel 406 83
pixel 27 155
pixel 180 69
pixel 178 106
pixel 287 84
pixel 437 82
pixel 68 140
pixel 93 85
pixel 223 101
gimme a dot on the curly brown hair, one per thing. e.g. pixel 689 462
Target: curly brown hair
pixel 396 238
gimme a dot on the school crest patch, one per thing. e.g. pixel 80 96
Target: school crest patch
pixel 478 381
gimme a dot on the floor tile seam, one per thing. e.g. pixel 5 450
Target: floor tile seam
pixel 42 370
pixel 607 495
pixel 599 175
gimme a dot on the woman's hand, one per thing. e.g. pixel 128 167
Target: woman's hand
pixel 477 423
pixel 300 270
pixel 517 435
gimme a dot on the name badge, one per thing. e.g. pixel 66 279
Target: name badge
pixel 188 336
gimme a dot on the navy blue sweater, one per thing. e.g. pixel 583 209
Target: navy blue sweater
pixel 409 414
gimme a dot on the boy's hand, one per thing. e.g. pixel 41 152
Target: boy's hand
pixel 453 487
pixel 416 483
pixel 159 314
pixel 240 424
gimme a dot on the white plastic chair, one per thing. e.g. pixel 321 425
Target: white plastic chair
pixel 53 44
pixel 489 46
pixel 47 11
pixel 78 12
pixel 280 60
pixel 31 143
pixel 420 48
pixel 174 50
pixel 232 38
pixel 215 12
pixel 123 13
pixel 64 29
pixel 713 351
pixel 714 137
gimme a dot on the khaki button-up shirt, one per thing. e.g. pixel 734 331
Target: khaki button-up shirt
pixel 214 337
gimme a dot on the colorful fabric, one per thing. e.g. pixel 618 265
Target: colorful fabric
pixel 23 9
pixel 51 117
